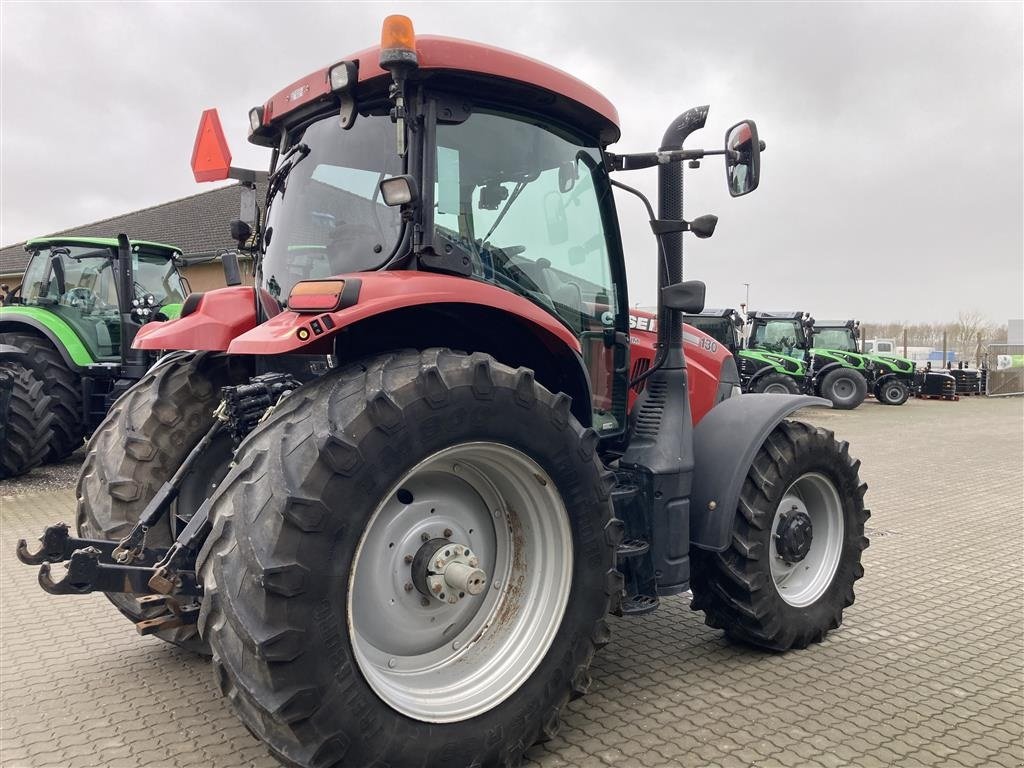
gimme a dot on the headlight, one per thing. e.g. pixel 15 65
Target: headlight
pixel 735 391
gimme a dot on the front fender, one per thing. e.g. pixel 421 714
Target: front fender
pixel 725 444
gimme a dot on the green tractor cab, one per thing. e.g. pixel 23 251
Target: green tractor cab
pixel 890 378
pixel 768 369
pixel 839 375
pixel 69 327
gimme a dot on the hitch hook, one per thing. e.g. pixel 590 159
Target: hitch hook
pixel 51 549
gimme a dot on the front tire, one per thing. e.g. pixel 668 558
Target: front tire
pixel 139 445
pixel 892 391
pixel 330 642
pixel 845 387
pixel 777 384
pixel 796 546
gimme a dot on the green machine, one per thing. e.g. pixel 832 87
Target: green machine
pixel 66 335
pixel 889 378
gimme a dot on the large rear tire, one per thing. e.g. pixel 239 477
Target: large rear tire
pixel 331 642
pixel 138 446
pixel 796 545
pixel 60 383
pixel 25 422
pixel 845 387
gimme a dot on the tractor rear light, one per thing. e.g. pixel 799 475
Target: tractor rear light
pixel 397 43
pixel 255 119
pixel 316 296
pixel 211 157
pixel 342 76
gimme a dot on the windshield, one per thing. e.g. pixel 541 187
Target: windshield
pixel 155 273
pixel 326 216
pixel 720 329
pixel 841 339
pixel 781 336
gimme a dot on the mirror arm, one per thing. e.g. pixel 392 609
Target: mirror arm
pixel 244 175
pixel 650 159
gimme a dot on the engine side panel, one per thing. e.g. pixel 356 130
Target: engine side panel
pixel 704 360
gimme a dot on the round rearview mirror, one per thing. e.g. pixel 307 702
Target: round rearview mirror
pixel 742 158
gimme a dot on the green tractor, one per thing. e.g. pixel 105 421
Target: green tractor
pixel 776 370
pixel 839 375
pixel 66 339
pixel 890 378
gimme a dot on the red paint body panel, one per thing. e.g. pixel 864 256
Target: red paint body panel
pixel 704 359
pixel 437 52
pixel 386 291
pixel 222 315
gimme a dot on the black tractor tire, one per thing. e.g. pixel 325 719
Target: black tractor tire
pixel 892 391
pixel 844 387
pixel 736 588
pixel 777 384
pixel 288 519
pixel 26 421
pixel 139 446
pixel 59 382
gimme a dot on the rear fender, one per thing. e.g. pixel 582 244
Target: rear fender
pixel 209 321
pixel 725 444
pixel 382 292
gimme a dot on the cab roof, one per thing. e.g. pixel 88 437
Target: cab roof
pixel 759 315
pixel 452 55
pixel 104 242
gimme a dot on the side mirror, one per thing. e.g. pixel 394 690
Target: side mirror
pixel 399 190
pixel 742 158
pixel 685 297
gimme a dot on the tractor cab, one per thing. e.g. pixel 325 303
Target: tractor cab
pixel 77 280
pixel 784 333
pixel 723 325
pixel 838 335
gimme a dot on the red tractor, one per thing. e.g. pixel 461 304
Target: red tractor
pixel 397 487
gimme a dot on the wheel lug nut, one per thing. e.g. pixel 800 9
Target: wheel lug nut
pixel 474 561
pixel 409 587
pixel 424 537
pixel 447 533
pixel 408 558
pixel 436 588
pixel 425 602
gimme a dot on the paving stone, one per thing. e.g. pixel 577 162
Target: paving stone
pixel 926 669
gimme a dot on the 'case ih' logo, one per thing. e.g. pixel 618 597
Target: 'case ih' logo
pixel 298 93
pixel 642 323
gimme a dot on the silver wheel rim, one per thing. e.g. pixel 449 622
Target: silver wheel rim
pixel 441 663
pixel 803 582
pixel 843 389
pixel 893 393
pixel 776 389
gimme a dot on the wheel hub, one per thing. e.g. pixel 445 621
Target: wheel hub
pixel 794 535
pixel 447 571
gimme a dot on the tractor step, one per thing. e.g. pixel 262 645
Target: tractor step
pixel 639 605
pixel 632 548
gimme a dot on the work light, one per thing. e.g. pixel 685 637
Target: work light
pixel 255 118
pixel 342 75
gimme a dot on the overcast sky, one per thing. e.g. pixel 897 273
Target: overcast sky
pixel 891 186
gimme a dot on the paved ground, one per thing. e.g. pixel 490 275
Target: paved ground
pixel 928 668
